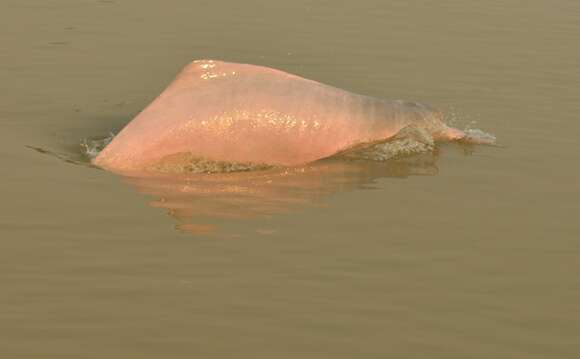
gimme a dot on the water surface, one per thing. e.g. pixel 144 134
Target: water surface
pixel 472 253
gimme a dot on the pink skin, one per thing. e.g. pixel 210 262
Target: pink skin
pixel 245 113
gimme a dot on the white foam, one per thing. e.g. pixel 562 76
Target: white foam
pixel 477 136
pixel 92 147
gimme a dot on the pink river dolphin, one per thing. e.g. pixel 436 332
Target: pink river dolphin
pixel 240 113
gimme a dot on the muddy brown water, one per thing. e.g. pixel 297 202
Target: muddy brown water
pixel 467 253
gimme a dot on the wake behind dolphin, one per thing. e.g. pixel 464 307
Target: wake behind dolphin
pixel 246 116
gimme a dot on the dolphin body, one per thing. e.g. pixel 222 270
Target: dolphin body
pixel 244 113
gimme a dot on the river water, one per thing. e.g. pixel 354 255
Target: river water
pixel 469 252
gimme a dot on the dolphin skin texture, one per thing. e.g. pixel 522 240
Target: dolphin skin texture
pixel 244 113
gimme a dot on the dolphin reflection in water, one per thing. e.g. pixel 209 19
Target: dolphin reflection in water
pixel 199 201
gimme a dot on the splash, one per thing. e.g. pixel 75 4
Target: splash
pixel 91 147
pixel 467 125
pixel 409 141
pixel 477 136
